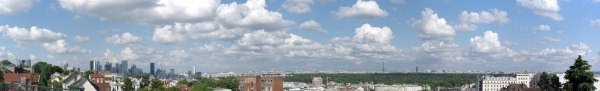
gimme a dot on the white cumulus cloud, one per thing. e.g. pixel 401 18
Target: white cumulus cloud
pixel 312 25
pixel 430 27
pixel 399 1
pixel 83 39
pixel 62 47
pixel 126 38
pixel 50 57
pixel 546 8
pixel 542 28
pixel 298 6
pixel 32 57
pixel 550 38
pixel 361 10
pixel 595 22
pixel 484 17
pixel 145 11
pixel 12 7
pixel 34 35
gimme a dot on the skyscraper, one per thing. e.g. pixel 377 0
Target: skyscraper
pixel 123 69
pixel 417 70
pixel 97 66
pixel 108 66
pixel 28 62
pixel 152 69
pixel 91 64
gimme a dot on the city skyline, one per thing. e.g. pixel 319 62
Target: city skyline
pixel 259 35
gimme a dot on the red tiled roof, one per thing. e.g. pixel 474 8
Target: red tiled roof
pixel 96 76
pixel 103 86
pixel 15 77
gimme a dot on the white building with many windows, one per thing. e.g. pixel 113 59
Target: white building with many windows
pixel 490 83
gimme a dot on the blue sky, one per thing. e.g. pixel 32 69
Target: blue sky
pixel 256 35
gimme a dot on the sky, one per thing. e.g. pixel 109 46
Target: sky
pixel 287 35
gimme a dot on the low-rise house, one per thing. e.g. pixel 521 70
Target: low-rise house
pixel 29 79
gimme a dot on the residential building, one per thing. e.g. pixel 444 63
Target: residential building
pixel 260 83
pixel 489 83
pixel 317 81
pixel 26 78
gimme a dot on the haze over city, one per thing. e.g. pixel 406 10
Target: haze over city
pixel 286 35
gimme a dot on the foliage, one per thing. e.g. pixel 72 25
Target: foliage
pixel 45 71
pixel 6 62
pixel 555 83
pixel 172 89
pixel 182 82
pixel 579 77
pixel 143 89
pixel 38 66
pixel 207 84
pixel 1 75
pixel 156 84
pixel 56 84
pixel 544 82
pixel 127 84
pixel 229 82
pixel 144 77
pixel 87 73
pixel 433 80
pixel 203 85
pixel 65 72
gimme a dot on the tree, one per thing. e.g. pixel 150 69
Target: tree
pixel 555 83
pixel 65 72
pixel 37 67
pixel 202 87
pixel 56 84
pixel 127 84
pixel 579 77
pixel 172 89
pixel 156 84
pixel 543 82
pixel 87 73
pixel 229 82
pixel 182 82
pixel 5 62
pixel 1 75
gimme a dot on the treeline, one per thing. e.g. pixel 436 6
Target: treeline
pixel 433 80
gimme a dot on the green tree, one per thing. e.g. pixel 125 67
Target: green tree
pixel 127 84
pixel 87 73
pixel 65 72
pixel 203 85
pixel 182 82
pixel 229 82
pixel 544 82
pixel 579 77
pixel 156 84
pixel 555 83
pixel 37 67
pixel 143 89
pixel 56 84
pixel 1 75
pixel 172 89
pixel 5 62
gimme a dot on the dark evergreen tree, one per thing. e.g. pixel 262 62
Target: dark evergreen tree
pixel 579 77
pixel 543 82
pixel 555 83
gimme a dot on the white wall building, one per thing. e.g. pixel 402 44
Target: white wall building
pixel 489 83
pixel 400 88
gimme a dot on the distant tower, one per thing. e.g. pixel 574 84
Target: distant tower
pixel 383 68
pixel 417 70
pixel 152 68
